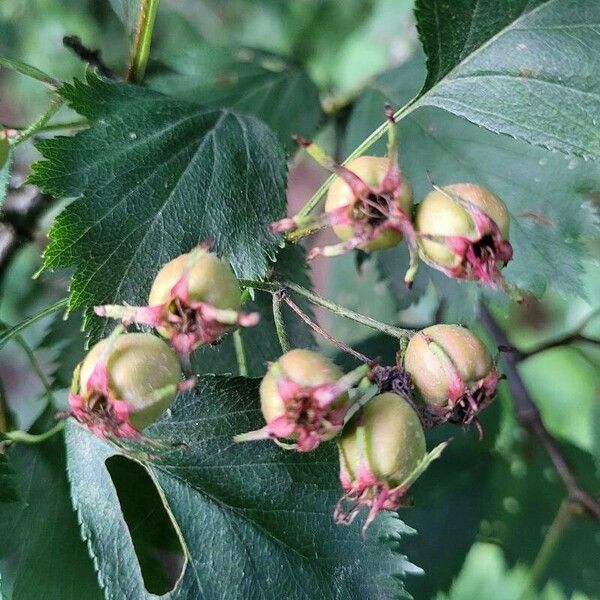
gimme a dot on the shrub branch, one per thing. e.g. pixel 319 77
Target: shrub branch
pixel 529 417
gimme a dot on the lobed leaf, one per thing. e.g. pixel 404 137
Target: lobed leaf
pixel 41 553
pixel 152 178
pixel 548 195
pixel 254 521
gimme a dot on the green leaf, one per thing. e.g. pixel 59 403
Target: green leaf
pixel 564 386
pixel 5 166
pixel 522 500
pixel 529 69
pixel 153 177
pixel 261 343
pixel 548 241
pixel 41 553
pixel 486 576
pixel 127 11
pixel 249 81
pixel 254 521
pixel 8 483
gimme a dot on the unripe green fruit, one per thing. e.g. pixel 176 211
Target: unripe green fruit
pixel 439 214
pixel 372 170
pixel 304 368
pixel 386 433
pixel 142 370
pixel 209 279
pixel 466 351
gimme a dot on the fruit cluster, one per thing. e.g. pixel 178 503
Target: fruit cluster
pixel 127 380
pixel 443 373
pixel 459 229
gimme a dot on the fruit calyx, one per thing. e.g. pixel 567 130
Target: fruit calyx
pixel 177 314
pixel 303 413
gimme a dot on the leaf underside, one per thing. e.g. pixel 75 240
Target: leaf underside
pixel 527 68
pixel 547 194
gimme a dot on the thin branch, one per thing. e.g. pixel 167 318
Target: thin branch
pixel 529 417
pixel 35 365
pixel 274 286
pixel 561 521
pixel 15 330
pixel 92 57
pixel 33 438
pixel 55 104
pixel 573 337
pixel 315 327
pixel 240 353
pixel 358 151
pixel 566 340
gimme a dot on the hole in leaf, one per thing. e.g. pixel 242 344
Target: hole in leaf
pixel 155 540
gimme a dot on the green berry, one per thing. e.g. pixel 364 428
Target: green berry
pixel 142 371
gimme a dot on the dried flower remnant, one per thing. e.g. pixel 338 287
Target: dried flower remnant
pixel 382 453
pixel 369 204
pixel 463 232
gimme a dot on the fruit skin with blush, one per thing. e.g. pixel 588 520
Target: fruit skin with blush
pixel 452 372
pixel 195 299
pixel 124 384
pixel 372 170
pixel 304 399
pixel 382 448
pixel 209 279
pixel 463 231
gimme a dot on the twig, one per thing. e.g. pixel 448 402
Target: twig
pixel 575 336
pixel 35 365
pixel 33 438
pixel 93 57
pixel 378 133
pixel 15 330
pixel 315 327
pixel 55 104
pixel 274 286
pixel 562 341
pixel 530 418
pixel 240 353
